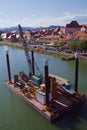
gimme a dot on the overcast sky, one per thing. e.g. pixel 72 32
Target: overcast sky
pixel 35 13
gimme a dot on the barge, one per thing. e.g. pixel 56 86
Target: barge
pixel 51 95
pixel 61 100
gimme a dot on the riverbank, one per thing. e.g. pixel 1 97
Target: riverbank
pixel 53 53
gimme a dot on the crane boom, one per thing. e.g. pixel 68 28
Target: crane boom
pixel 25 45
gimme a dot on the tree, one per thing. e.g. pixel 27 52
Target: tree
pixel 78 45
pixel 59 43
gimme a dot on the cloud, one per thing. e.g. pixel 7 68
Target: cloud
pixel 34 21
pixel 81 17
pixel 67 17
pixel 42 21
pixel 5 23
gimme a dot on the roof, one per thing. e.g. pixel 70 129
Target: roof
pixel 73 24
pixel 79 35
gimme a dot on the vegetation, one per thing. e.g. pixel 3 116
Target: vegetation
pixel 78 45
pixel 60 43
pixel 53 53
pixel 10 45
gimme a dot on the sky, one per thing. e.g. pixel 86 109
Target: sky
pixel 38 13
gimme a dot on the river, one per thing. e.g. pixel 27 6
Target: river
pixel 15 114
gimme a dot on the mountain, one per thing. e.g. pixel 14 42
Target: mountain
pixel 15 28
pixel 53 26
pixel 28 28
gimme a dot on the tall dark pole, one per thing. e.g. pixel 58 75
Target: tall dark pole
pixel 8 66
pixel 76 70
pixel 47 85
pixel 33 68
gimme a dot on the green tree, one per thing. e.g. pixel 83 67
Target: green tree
pixel 59 43
pixel 78 45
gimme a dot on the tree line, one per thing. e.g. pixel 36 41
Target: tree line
pixel 73 45
pixel 78 45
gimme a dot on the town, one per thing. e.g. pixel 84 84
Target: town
pixel 67 39
pixel 71 31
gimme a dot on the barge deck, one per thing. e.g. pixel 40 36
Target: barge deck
pixel 31 101
pixel 64 102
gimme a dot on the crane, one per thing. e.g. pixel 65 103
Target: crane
pixel 36 79
pixel 25 45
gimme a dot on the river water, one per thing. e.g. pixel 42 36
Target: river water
pixel 15 114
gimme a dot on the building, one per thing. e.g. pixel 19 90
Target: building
pixel 72 27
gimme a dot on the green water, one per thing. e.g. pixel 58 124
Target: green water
pixel 15 114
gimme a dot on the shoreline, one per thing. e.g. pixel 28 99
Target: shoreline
pixel 61 55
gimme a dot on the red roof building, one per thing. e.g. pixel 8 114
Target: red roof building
pixel 72 27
